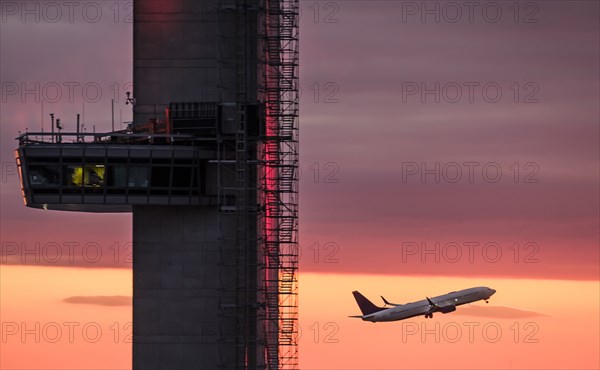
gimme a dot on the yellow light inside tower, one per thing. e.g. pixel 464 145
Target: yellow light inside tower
pixel 90 175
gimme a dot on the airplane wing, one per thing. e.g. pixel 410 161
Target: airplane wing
pixel 442 309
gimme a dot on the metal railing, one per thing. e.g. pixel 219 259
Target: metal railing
pixel 117 137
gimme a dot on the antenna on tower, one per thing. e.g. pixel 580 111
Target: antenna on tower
pixel 78 127
pixel 59 127
pixel 112 111
pixel 52 125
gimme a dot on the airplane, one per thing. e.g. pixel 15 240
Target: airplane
pixel 445 303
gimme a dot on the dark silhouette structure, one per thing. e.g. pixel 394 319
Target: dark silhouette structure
pixel 209 170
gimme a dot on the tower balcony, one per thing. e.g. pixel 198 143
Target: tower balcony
pixel 113 172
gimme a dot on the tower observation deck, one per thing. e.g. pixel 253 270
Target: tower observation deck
pixel 209 171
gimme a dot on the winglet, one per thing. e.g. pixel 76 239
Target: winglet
pixel 385 301
pixel 431 303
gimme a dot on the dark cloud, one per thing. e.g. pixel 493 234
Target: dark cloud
pixel 366 49
pixel 117 300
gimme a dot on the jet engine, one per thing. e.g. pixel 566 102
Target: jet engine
pixel 446 309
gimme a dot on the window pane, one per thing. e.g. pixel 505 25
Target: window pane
pixel 73 175
pixel 182 177
pixel 94 175
pixel 161 177
pixel 90 175
pixel 40 175
pixel 138 177
pixel 118 176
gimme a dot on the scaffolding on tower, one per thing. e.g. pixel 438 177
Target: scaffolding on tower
pixel 279 182
pixel 276 187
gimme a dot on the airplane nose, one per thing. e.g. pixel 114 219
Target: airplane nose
pixel 493 291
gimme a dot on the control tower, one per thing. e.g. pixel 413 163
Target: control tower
pixel 209 171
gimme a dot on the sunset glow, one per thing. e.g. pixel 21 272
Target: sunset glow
pixel 515 330
pixel 436 154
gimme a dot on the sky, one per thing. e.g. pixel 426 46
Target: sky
pixel 443 146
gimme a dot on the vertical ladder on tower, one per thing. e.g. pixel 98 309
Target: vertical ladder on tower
pixel 245 286
pixel 234 177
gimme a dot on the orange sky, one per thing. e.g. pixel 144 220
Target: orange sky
pixel 527 324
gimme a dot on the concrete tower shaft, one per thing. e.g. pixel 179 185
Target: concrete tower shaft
pixel 196 268
pixel 194 51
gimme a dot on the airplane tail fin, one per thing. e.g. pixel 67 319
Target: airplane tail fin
pixel 366 306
